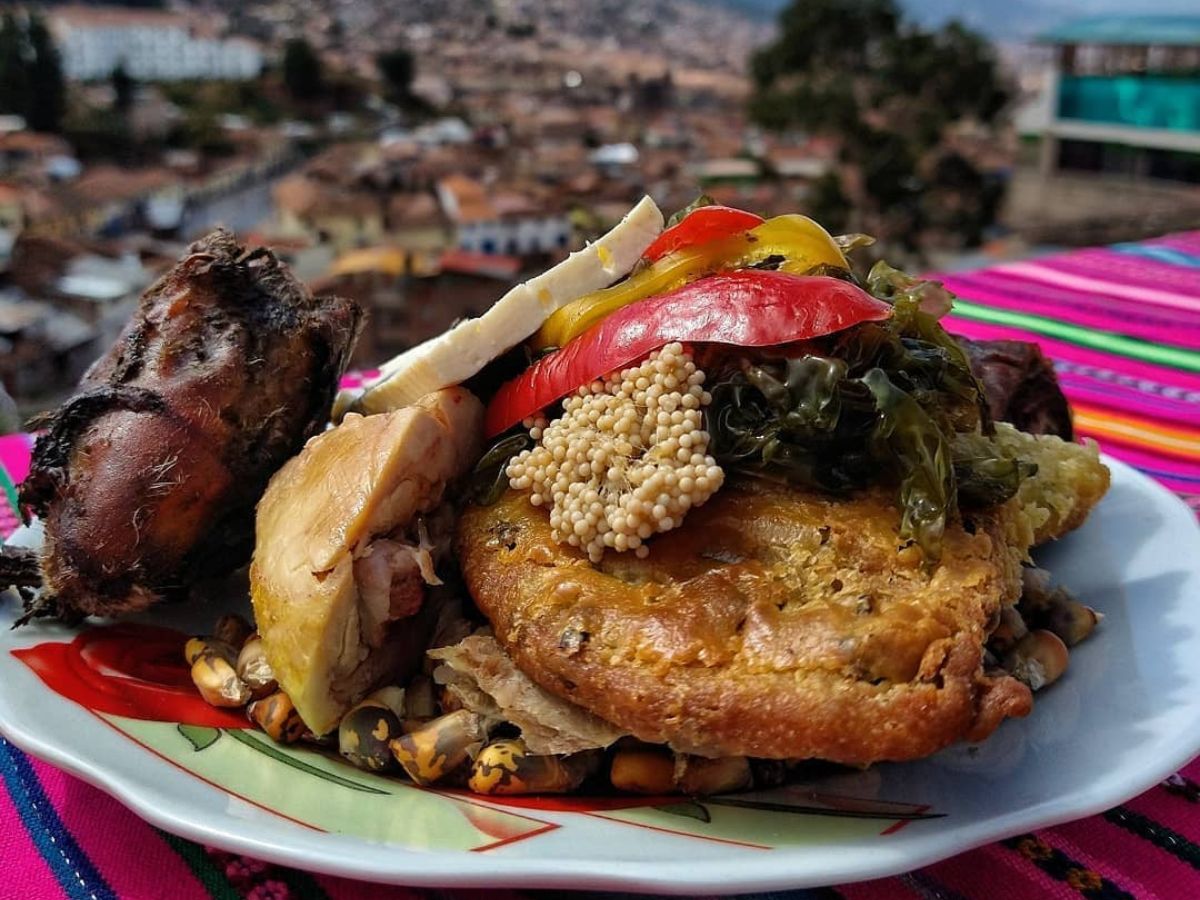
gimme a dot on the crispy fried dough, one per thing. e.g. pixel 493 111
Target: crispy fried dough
pixel 775 622
pixel 1070 481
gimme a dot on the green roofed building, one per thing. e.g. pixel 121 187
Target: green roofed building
pixel 1125 97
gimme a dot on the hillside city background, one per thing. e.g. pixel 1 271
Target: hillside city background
pixel 422 157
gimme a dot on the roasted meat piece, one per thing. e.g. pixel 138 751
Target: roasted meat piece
pixel 1020 386
pixel 146 478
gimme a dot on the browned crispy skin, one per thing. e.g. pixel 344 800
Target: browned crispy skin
pixel 147 477
pixel 774 623
pixel 1020 386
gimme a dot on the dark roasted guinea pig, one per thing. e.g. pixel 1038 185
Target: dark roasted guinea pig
pixel 1020 386
pixel 147 477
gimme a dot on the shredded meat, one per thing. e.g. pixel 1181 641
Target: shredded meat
pixel 482 676
pixel 391 583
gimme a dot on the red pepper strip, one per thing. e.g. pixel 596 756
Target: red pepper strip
pixel 747 308
pixel 707 223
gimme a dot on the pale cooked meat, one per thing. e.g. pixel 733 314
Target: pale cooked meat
pixel 390 585
pixel 484 679
pixel 334 623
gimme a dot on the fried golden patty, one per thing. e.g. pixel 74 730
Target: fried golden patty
pixel 1070 480
pixel 776 622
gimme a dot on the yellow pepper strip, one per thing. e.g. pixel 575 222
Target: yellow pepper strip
pixel 802 243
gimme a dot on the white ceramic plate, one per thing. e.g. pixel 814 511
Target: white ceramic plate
pixel 1126 715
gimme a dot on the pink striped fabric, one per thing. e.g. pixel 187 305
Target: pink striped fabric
pixel 106 832
pixel 21 856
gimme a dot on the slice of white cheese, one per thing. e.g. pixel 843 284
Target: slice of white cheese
pixel 454 356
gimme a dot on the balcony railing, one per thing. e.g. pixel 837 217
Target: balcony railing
pixel 1146 101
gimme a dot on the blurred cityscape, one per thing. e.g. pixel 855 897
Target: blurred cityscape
pixel 421 157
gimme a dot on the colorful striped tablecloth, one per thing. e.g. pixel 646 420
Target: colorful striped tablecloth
pixel 1123 326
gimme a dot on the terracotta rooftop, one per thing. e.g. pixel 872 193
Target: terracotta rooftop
pixel 465 199
pixel 115 16
pixel 511 203
pixel 504 268
pixel 303 196
pixel 413 209
pixel 33 142
pixel 105 183
pixel 296 194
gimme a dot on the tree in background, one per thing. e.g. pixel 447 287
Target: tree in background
pixel 396 68
pixel 14 72
pixel 31 79
pixel 886 92
pixel 48 101
pixel 302 75
pixel 123 87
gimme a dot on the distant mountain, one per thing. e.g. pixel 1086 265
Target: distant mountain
pixel 1011 20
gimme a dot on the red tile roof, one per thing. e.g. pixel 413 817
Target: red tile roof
pixel 486 264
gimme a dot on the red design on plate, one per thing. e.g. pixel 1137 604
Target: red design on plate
pixel 129 670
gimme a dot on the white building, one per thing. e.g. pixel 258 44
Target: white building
pixel 151 45
pixel 504 224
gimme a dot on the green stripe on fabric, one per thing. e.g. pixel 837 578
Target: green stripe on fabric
pixel 1176 357
pixel 10 490
pixel 207 873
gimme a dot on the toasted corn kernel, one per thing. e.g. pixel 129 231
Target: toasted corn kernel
pixel 253 668
pixel 276 715
pixel 233 630
pixel 643 771
pixel 365 734
pixel 507 767
pixel 1071 620
pixel 1038 659
pixel 1035 587
pixel 207 645
pixel 1010 630
pixel 704 777
pixel 217 681
pixel 440 746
